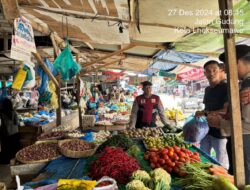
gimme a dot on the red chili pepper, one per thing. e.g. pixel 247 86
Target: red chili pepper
pixel 114 162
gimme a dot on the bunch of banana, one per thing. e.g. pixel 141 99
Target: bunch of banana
pixel 174 114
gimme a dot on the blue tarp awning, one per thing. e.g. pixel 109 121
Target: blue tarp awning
pixel 171 56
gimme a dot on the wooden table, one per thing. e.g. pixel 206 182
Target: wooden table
pixel 106 127
pixel 29 134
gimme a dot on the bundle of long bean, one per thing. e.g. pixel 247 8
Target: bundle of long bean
pixel 197 178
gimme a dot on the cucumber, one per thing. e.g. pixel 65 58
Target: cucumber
pixel 247 187
pixel 221 183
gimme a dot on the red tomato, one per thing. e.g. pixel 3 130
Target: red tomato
pixel 182 159
pixel 167 147
pixel 187 160
pixel 153 150
pixel 165 157
pixel 183 149
pixel 154 159
pixel 171 149
pixel 196 154
pixel 158 165
pixel 176 148
pixel 176 158
pixel 164 152
pixel 152 153
pixel 178 164
pixel 173 164
pixel 170 153
pixel 162 161
pixel 169 163
pixel 152 165
pixel 182 154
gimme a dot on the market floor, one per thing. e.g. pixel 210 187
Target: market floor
pixel 5 176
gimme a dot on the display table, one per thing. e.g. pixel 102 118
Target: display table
pixel 29 134
pixel 106 127
pixel 75 168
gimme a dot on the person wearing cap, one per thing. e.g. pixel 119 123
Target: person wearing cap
pixel 215 101
pixel 243 64
pixel 145 109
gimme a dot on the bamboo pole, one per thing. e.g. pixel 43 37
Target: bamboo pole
pixel 59 109
pixel 78 94
pixel 56 48
pixel 108 55
pixel 232 75
pixel 101 66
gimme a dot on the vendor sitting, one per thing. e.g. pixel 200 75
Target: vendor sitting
pixel 145 109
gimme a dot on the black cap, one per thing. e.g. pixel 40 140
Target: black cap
pixel 241 51
pixel 211 62
pixel 146 83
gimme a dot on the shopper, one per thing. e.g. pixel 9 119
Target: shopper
pixel 243 64
pixel 215 100
pixel 9 136
pixel 145 109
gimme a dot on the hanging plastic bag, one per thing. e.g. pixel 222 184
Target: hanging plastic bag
pixel 44 77
pixel 82 88
pixel 195 129
pixel 66 65
pixel 112 184
pixel 30 80
pixel 19 79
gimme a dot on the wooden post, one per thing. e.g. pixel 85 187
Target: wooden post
pixel 5 41
pixel 232 75
pixel 56 48
pixel 59 109
pixel 78 94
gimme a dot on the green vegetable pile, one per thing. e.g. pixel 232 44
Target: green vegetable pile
pixel 138 154
pixel 117 141
pixel 158 179
pixel 167 140
pixel 171 129
pixel 176 139
pixel 134 151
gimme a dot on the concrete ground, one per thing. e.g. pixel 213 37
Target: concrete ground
pixel 5 176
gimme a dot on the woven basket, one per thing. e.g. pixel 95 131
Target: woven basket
pixel 88 120
pixel 2 186
pixel 35 161
pixel 76 154
pixel 50 138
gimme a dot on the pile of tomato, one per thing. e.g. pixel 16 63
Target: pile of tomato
pixel 171 158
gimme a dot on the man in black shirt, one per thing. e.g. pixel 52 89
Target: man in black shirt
pixel 215 100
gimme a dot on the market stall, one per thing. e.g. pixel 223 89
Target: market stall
pixel 138 155
pixel 130 39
